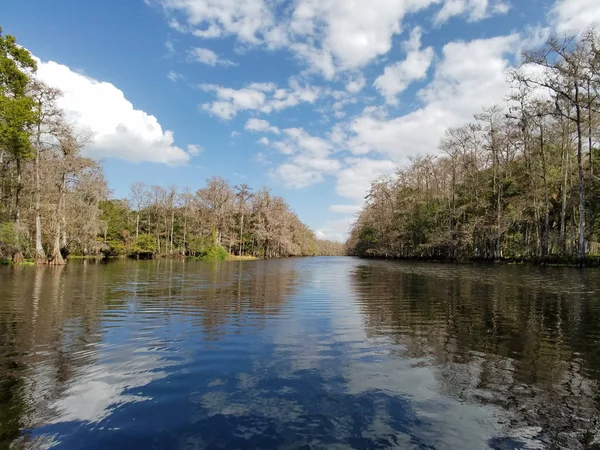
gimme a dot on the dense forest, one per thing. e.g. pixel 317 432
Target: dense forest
pixel 55 202
pixel 519 182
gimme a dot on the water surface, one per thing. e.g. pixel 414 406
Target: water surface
pixel 298 353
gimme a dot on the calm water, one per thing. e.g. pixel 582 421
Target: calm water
pixel 298 353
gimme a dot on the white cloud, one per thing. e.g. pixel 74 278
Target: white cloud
pixel 309 158
pixel 98 388
pixel 470 76
pixel 208 57
pixel 194 149
pixel 246 19
pixel 345 209
pixel 397 77
pixel 261 97
pixel 474 10
pixel 355 85
pixel 233 100
pixel 117 128
pixel 170 46
pixel 335 230
pixel 261 158
pixel 295 176
pixel 355 180
pixel 260 125
pixel 571 16
pixel 264 141
pixel 349 36
pixel 174 76
pixel 328 35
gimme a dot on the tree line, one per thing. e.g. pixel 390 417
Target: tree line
pixel 55 202
pixel 215 221
pixel 518 182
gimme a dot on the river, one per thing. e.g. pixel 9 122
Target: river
pixel 298 353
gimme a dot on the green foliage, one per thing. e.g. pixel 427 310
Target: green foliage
pixel 214 253
pixel 145 246
pixel 197 245
pixel 114 214
pixel 16 109
pixel 114 248
pixel 8 239
pixel 204 248
pixel 8 236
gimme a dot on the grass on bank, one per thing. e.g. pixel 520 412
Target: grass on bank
pixel 242 258
pixel 27 262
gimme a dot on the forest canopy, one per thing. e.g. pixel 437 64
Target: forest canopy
pixel 519 182
pixel 54 201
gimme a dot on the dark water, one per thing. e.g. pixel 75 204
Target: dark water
pixel 298 353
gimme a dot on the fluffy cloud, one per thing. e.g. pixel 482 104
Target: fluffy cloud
pixel 194 149
pixel 230 101
pixel 249 20
pixel 344 209
pixel 335 230
pixel 260 125
pixel 474 10
pixel 117 128
pixel 575 15
pixel 309 158
pixel 349 35
pixel 208 57
pixel 354 181
pixel 174 76
pixel 397 77
pixel 355 85
pixel 262 97
pixel 470 76
pixel 328 35
pixel 263 141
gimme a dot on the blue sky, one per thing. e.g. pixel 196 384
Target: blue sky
pixel 313 98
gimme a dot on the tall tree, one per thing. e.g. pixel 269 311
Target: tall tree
pixel 243 193
pixel 17 112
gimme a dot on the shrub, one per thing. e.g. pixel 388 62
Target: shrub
pixel 214 253
pixel 144 246
pixel 8 239
pixel 114 248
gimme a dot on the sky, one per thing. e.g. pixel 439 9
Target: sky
pixel 312 98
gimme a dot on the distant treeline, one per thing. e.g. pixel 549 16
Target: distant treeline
pixel 520 182
pixel 54 202
pixel 216 220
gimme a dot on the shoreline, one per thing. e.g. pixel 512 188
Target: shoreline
pixel 550 261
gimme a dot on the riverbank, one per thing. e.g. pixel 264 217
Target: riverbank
pixel 242 258
pixel 591 261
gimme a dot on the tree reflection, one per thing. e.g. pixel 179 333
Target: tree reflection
pixel 525 340
pixel 55 323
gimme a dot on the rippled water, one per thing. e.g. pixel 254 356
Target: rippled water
pixel 298 353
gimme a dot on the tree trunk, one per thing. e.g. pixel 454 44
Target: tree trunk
pixel 40 255
pixel 137 225
pixel 563 209
pixel 57 258
pixel 242 235
pixel 184 232
pixel 546 236
pixel 172 226
pixel 581 249
pixel 18 198
pixel 589 108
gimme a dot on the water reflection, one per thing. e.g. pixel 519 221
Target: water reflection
pixel 523 339
pixel 297 353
